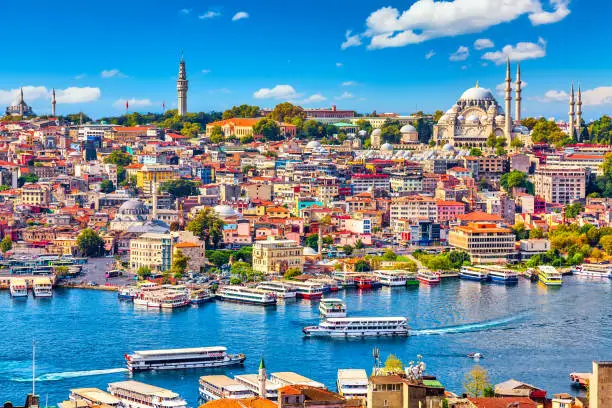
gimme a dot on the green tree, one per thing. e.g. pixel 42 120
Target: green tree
pixel 476 152
pixel 437 115
pixel 548 132
pixel 179 188
pixel 389 255
pixel 393 365
pixel 28 178
pixel 106 186
pixel 529 123
pixel 362 266
pixel 286 111
pixel 476 381
pixel 118 158
pixel 190 130
pixel 207 226
pixel 242 111
pixel 6 244
pixel 268 128
pixel 520 231
pixel 144 272
pixel 348 250
pixel 364 125
pixel 573 210
pixel 90 243
pixel 216 135
pixel 491 140
pixel 516 143
pixel 514 179
pixel 359 244
pixel 246 139
pixel 312 241
pixel 605 242
pixel 488 392
pixel 61 271
pixel 536 233
pixel 179 264
pixel 292 273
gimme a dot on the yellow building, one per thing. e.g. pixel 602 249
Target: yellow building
pixel 485 242
pixel 276 256
pixel 152 250
pixel 153 174
pixel 238 127
pixel 34 194
pixel 278 212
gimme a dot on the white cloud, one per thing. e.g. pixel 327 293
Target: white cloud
pixel 560 11
pixel 501 88
pixel 133 103
pixel 350 40
pixel 206 71
pixel 209 14
pixel 185 11
pixel 30 93
pixel 80 76
pixel 315 98
pixel 461 54
pixel 240 15
pixel 483 43
pixel 278 92
pixel 553 96
pixel 345 95
pixel 519 52
pixel 428 19
pixel 339 64
pixel 430 54
pixel 112 73
pixel 592 97
pixel 349 83
pixel 77 94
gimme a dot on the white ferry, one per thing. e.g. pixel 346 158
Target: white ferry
pixel 175 359
pixel 331 307
pixel 148 295
pixel 199 296
pixel 473 274
pixel 593 270
pixel 499 274
pixel 360 327
pixel 42 288
pixel 391 278
pixel 127 293
pixel 549 275
pixel 242 294
pixel 329 284
pixel 18 288
pixel 282 290
pixel 134 394
pixel 214 387
pixel 345 279
pixel 307 290
pixel 174 299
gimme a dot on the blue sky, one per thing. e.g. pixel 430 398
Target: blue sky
pixel 363 55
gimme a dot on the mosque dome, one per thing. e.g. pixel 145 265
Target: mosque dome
pixel 224 211
pixel 460 118
pixel 477 94
pixel 500 118
pixel 362 133
pixel 308 251
pixel 132 210
pixel 387 147
pixel 376 132
pixel 313 144
pixel 448 147
pixel 408 129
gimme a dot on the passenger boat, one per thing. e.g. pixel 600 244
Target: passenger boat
pixel 42 288
pixel 200 296
pixel 134 394
pixel 428 278
pixel 175 359
pixel 498 274
pixel 331 307
pixel 307 290
pixel 549 276
pixel 391 278
pixel 344 279
pixel 329 285
pixel 359 327
pixel 593 270
pixel 149 295
pixel 174 299
pixel 411 279
pixel 214 387
pixel 18 288
pixel 127 293
pixel 473 274
pixel 282 290
pixel 242 294
pixel 363 282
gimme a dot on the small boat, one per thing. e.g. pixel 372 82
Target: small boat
pixel 475 356
pixel 549 275
pixel 330 307
pixel 127 293
pixel 428 278
pixel 473 274
pixel 200 296
pixel 363 282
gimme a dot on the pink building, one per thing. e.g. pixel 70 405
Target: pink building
pixel 449 210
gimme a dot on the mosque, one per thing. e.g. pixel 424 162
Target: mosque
pixel 20 108
pixel 477 114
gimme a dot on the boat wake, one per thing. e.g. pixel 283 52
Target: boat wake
pixel 464 328
pixel 72 374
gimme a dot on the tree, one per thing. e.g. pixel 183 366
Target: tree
pixel 190 130
pixel 488 392
pixel 179 264
pixel 90 243
pixel 437 115
pixel 362 266
pixel 292 273
pixel 548 132
pixel 513 179
pixel 393 365
pixel 107 186
pixel 286 111
pixel 536 233
pixel 242 111
pixel 268 128
pixel 359 244
pixel 364 125
pixel 348 250
pixel 207 226
pixel 389 255
pixel 491 140
pixel 179 188
pixel 474 151
pixel 118 158
pixel 476 381
pixel 246 139
pixel 520 231
pixel 6 244
pixel 605 242
pixel 573 210
pixel 61 271
pixel 516 143
pixel 529 123
pixel 144 272
pixel 28 178
pixel 216 134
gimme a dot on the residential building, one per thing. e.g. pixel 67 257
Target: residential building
pixel 485 242
pixel 449 210
pixel 405 182
pixel 395 391
pixel 195 254
pixel 302 396
pixel 560 185
pixel 34 194
pixel 413 207
pixel 151 175
pixel 153 250
pixel 276 256
pixel 369 182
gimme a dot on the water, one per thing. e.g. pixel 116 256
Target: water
pixel 527 332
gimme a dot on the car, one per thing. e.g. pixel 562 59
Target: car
pixel 93 284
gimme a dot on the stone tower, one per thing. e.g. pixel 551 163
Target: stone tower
pixel 578 123
pixel 53 102
pixel 518 97
pixel 21 102
pixel 508 98
pixel 182 85
pixel 571 124
pixel 262 377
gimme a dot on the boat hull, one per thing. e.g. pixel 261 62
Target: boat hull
pixel 184 366
pixel 246 302
pixel 309 295
pixel 473 278
pixel 504 281
pixel 308 332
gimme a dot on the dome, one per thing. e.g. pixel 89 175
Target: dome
pixel 133 207
pixel 472 118
pixel 387 147
pixel 225 211
pixel 477 94
pixel 460 118
pixel 448 147
pixel 313 145
pixel 363 133
pixel 308 251
pixel 500 118
pixel 408 129
pixel 376 132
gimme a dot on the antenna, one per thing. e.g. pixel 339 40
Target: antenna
pixel 376 355
pixel 33 367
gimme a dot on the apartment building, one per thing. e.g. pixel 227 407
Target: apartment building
pixel 152 250
pixel 413 207
pixel 276 256
pixel 485 242
pixel 560 185
pixel 368 182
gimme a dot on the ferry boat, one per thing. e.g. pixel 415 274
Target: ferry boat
pixel 127 293
pixel 593 270
pixel 411 279
pixel 242 294
pixel 549 276
pixel 174 359
pixel 200 296
pixel 331 307
pixel 363 282
pixel 498 274
pixel 391 278
pixel 214 387
pixel 42 288
pixel 329 284
pixel 428 278
pixel 282 290
pixel 149 295
pixel 173 299
pixel 345 279
pixel 307 290
pixel 473 274
pixel 359 327
pixel 18 288
pixel 134 394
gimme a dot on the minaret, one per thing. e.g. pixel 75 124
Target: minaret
pixel 154 200
pixel 578 124
pixel 53 102
pixel 571 123
pixel 320 241
pixel 518 99
pixel 182 85
pixel 508 122
pixel 262 377
pixel 21 103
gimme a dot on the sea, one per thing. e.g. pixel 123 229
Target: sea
pixel 528 332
